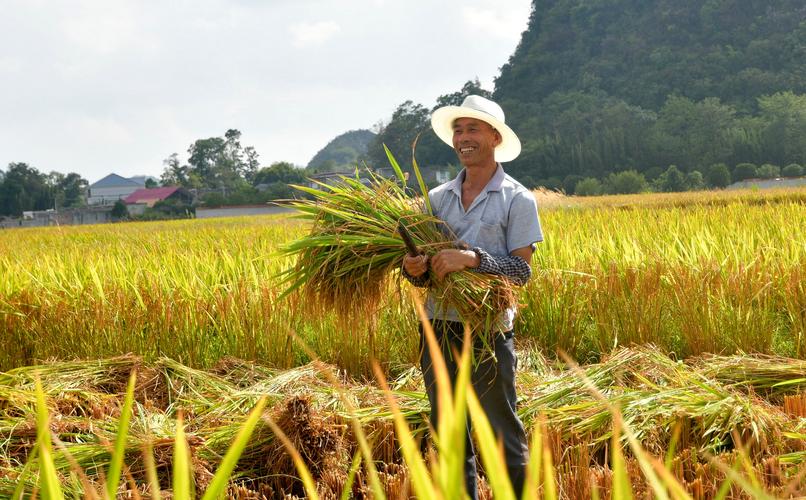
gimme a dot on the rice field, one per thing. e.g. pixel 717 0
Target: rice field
pixel 720 275
pixel 715 282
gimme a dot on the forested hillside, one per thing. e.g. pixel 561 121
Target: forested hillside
pixel 643 51
pixel 600 88
pixel 344 150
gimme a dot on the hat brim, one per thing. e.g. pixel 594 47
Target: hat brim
pixel 442 122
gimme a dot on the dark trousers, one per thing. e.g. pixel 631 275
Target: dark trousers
pixel 493 381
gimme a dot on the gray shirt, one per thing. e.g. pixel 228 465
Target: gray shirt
pixel 502 218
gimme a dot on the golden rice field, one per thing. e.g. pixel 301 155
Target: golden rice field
pixel 718 273
pixel 714 282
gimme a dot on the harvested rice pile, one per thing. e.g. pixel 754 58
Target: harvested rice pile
pixel 708 407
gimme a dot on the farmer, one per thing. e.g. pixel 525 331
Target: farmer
pixel 497 218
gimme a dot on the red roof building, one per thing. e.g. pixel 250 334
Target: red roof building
pixel 149 197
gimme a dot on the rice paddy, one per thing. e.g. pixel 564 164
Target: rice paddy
pixel 715 282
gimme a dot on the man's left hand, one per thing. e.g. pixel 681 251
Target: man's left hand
pixel 449 261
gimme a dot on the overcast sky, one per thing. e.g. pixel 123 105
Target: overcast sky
pixel 106 86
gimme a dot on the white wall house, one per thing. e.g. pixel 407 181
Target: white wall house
pixel 111 189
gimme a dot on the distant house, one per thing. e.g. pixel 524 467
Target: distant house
pixel 769 183
pixel 241 210
pixel 110 189
pixel 331 178
pixel 96 214
pixel 141 199
pixel 437 175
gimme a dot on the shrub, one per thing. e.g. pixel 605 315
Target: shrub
pixel 652 173
pixel 792 170
pixel 626 182
pixel 745 171
pixel 588 187
pixel 120 211
pixel 570 182
pixel 769 171
pixel 673 180
pixel 718 175
pixel 695 180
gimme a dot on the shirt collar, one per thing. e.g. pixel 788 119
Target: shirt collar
pixel 493 185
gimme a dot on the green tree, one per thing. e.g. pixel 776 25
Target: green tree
pixel 784 127
pixel 119 211
pixel 71 190
pixel 718 175
pixel 769 171
pixel 695 181
pixel 220 162
pixel 745 171
pixel 282 172
pixel 175 174
pixel 792 170
pixel 588 186
pixel 24 188
pixel 672 180
pixel 694 134
pixel 625 182
pixel 408 120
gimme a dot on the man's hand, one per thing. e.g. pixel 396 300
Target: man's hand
pixel 449 261
pixel 415 266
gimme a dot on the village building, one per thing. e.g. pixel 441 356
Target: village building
pixel 779 182
pixel 112 188
pixel 138 201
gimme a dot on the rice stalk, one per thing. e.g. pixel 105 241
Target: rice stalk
pixel 346 262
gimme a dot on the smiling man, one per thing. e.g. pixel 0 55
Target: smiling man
pixel 495 216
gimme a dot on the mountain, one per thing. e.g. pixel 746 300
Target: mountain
pixel 344 150
pixel 642 51
pixel 600 86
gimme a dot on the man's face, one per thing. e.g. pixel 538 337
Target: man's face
pixel 474 142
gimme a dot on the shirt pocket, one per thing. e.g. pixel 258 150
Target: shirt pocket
pixel 492 238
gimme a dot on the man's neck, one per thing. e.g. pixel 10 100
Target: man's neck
pixel 476 177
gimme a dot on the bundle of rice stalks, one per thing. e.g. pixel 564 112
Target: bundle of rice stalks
pixel 344 264
pixel 772 376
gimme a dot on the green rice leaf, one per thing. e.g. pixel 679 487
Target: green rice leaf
pixel 218 485
pixel 395 165
pixel 119 452
pixel 48 480
pixel 420 180
pixel 19 490
pixel 181 463
pixel 491 454
pixel 621 481
pixel 420 479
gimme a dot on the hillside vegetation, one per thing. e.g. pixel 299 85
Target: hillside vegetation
pixel 343 150
pixel 601 87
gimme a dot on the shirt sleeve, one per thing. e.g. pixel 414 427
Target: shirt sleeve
pixel 419 281
pixel 523 229
pixel 511 266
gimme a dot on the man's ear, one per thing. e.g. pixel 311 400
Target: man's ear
pixel 498 137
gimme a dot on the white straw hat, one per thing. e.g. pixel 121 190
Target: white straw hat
pixel 478 107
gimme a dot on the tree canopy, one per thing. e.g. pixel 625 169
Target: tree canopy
pixel 24 188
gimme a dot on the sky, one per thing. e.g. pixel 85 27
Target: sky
pixel 113 86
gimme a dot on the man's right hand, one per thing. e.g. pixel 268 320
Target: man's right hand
pixel 415 266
